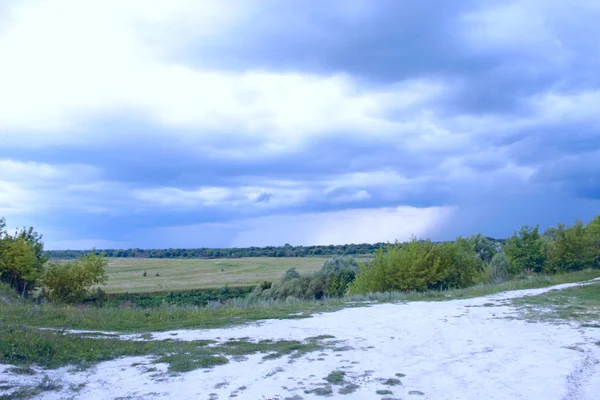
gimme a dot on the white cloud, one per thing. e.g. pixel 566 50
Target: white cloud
pixel 342 227
pixel 66 63
pixel 316 228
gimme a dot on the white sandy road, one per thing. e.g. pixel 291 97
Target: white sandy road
pixel 444 350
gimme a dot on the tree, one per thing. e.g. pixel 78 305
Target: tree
pixel 22 258
pixel 569 250
pixel 525 251
pixel 592 233
pixel 70 282
pixel 484 247
pixel 419 265
pixel 18 265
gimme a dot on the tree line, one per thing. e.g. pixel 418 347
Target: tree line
pixel 269 251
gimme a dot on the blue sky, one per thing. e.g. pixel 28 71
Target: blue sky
pixel 137 123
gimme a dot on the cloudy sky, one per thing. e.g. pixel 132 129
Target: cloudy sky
pixel 185 123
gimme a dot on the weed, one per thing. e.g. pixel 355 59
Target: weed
pixel 335 377
pixel 320 391
pixel 350 388
pixel 383 392
pixel 392 382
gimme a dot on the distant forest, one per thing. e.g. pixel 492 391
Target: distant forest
pixel 270 251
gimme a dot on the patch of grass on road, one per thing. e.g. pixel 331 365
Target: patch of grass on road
pixel 51 349
pixel 579 304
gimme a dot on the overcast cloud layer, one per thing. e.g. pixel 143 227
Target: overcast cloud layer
pixel 137 123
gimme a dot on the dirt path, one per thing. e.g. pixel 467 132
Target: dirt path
pixel 464 349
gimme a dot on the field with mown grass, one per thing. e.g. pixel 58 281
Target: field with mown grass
pixel 127 274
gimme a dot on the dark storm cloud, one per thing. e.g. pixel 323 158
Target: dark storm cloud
pixel 500 75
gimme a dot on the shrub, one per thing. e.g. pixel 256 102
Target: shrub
pixel 331 280
pixel 70 282
pixel 21 258
pixel 419 266
pixel 498 269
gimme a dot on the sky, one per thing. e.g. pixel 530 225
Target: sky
pixel 233 123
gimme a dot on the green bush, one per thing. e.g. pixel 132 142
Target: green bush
pixel 21 258
pixel 331 280
pixel 498 269
pixel 70 282
pixel 419 266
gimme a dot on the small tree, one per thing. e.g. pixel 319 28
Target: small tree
pixel 70 282
pixel 18 265
pixel 21 258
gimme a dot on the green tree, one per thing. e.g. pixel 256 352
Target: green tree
pixel 484 247
pixel 592 232
pixel 569 250
pixel 525 251
pixel 21 258
pixel 18 265
pixel 70 282
pixel 419 265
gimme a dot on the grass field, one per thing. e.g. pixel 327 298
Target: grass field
pixel 126 274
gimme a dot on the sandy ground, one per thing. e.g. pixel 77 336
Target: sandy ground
pixel 439 350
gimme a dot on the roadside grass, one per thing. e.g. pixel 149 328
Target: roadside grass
pixel 24 347
pixel 577 304
pixel 240 311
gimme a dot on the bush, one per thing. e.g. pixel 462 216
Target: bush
pixel 498 269
pixel 419 266
pixel 331 281
pixel 70 282
pixel 21 258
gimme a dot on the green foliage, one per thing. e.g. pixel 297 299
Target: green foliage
pixel 21 258
pixel 337 274
pixel 499 267
pixel 70 282
pixel 18 265
pixel 269 251
pixel 418 266
pixel 568 250
pixel 525 251
pixel 593 242
pixel 331 281
pixel 484 247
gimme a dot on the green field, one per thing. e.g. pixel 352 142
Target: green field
pixel 126 274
